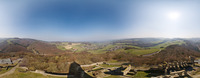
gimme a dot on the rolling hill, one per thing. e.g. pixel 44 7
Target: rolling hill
pixel 28 45
pixel 136 46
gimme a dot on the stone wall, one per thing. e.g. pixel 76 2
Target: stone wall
pixel 93 64
pixel 127 70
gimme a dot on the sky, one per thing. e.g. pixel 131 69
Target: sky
pixel 78 20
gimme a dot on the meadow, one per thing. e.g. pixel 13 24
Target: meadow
pixel 99 48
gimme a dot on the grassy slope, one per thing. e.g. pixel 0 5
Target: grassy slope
pixel 179 42
pixel 9 41
pixel 3 70
pixel 142 51
pixel 73 46
pixel 78 47
pixel 60 47
pixel 18 74
pixel 148 50
pixel 103 50
pixel 140 74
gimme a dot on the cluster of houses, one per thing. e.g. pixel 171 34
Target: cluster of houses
pixel 6 61
pixel 197 61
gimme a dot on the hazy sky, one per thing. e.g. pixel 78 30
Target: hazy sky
pixel 99 19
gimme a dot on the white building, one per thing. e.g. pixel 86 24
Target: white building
pixel 6 61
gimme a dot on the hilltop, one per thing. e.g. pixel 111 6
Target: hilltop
pixel 28 45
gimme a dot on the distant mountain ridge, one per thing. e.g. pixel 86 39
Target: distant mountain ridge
pixel 28 45
pixel 44 47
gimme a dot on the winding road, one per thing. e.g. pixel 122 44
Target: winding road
pixel 152 53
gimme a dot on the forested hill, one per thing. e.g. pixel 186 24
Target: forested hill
pixel 28 45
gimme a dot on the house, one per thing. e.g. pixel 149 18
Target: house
pixel 197 61
pixel 6 61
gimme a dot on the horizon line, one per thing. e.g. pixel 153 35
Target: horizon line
pixel 99 40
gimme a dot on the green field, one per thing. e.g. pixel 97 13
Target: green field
pixel 78 48
pixel 61 47
pixel 103 50
pixel 148 50
pixel 136 50
pixel 140 74
pixel 142 51
pixel 164 45
pixel 9 41
pixel 113 61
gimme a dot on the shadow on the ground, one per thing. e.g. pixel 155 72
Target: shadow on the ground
pixel 154 73
pixel 76 70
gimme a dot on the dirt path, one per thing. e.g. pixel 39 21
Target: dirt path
pixel 152 53
pixel 10 71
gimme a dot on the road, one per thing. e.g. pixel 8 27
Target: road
pixel 152 53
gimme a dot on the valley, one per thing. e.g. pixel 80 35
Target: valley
pixel 139 57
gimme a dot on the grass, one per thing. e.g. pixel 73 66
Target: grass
pixel 10 41
pixel 178 42
pixel 97 69
pixel 106 65
pixel 140 74
pixel 3 70
pixel 63 46
pixel 78 47
pixel 141 51
pixel 138 50
pixel 135 49
pixel 60 47
pixel 149 50
pixel 104 50
pixel 18 74
pixel 113 61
